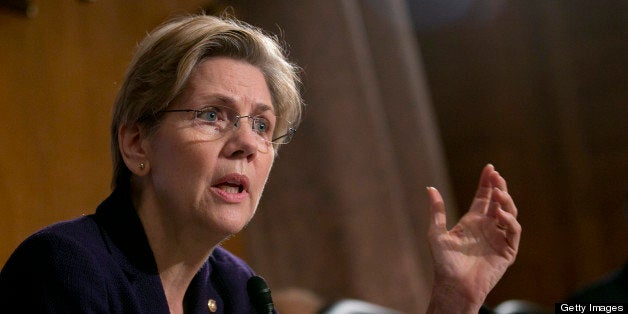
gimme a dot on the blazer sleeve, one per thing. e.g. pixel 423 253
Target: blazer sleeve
pixel 53 273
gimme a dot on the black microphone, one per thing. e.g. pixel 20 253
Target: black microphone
pixel 260 295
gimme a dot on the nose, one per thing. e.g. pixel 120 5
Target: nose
pixel 243 142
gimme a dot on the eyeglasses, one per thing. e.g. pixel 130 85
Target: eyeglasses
pixel 217 121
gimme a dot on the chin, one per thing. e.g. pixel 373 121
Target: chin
pixel 232 229
pixel 231 225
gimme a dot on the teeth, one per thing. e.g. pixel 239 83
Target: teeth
pixel 230 189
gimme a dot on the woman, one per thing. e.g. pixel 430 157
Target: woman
pixel 205 105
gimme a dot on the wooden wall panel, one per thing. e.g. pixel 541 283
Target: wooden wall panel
pixel 539 88
pixel 345 212
pixel 59 73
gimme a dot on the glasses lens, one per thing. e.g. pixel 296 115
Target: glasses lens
pixel 217 121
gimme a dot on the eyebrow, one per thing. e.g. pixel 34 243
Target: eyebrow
pixel 258 107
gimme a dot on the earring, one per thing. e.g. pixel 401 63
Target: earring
pixel 141 165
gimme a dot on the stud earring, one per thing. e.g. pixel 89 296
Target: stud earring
pixel 141 165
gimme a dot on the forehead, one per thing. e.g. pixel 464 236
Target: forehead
pixel 227 80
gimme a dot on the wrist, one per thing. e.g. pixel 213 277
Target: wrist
pixel 447 298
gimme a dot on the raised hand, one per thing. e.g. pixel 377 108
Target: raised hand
pixel 470 258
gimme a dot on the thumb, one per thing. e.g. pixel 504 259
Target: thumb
pixel 438 221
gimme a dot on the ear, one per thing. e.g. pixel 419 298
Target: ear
pixel 132 140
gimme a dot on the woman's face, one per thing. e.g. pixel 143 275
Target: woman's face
pixel 211 185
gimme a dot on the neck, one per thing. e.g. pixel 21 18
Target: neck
pixel 178 251
pixel 175 281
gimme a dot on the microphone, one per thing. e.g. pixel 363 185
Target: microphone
pixel 260 295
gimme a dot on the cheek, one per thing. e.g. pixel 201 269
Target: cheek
pixel 268 167
pixel 263 172
pixel 179 163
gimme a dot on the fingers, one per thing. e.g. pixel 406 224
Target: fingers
pixel 498 181
pixel 503 210
pixel 499 192
pixel 488 179
pixel 438 222
pixel 486 183
pixel 485 188
pixel 509 224
pixel 504 200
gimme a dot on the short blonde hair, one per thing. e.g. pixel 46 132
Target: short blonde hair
pixel 166 58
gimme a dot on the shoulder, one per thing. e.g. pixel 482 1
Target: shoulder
pixel 223 260
pixel 62 246
pixel 63 240
pixel 55 263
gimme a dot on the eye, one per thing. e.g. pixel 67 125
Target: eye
pixel 211 114
pixel 262 126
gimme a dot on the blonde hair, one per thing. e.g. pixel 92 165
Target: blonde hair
pixel 166 58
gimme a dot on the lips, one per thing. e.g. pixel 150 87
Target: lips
pixel 232 188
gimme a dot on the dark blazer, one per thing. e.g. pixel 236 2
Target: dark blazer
pixel 102 263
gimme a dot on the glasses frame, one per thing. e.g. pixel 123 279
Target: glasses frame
pixel 287 137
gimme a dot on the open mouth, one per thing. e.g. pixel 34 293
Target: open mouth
pixel 232 188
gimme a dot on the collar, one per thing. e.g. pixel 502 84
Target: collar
pixel 127 243
pixel 124 233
